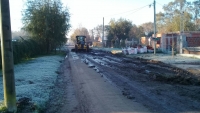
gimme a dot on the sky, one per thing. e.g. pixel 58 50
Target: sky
pixel 90 13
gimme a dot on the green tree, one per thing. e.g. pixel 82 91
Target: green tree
pixel 136 32
pixel 47 23
pixel 176 17
pixel 195 9
pixel 133 34
pixel 118 30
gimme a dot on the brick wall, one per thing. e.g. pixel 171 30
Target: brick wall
pixel 193 41
pixel 144 40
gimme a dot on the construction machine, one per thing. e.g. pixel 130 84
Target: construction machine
pixel 81 44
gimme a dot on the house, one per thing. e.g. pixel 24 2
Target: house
pixel 183 43
pixel 149 41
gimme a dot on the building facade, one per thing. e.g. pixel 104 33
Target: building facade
pixel 183 43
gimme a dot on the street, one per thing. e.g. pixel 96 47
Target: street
pixel 99 82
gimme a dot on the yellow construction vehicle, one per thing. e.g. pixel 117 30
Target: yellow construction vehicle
pixel 81 44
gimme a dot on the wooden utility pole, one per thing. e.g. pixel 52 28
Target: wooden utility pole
pixel 7 57
pixel 181 29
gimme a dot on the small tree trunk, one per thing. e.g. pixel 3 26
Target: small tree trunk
pixel 7 57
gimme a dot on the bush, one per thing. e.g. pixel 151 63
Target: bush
pixel 25 49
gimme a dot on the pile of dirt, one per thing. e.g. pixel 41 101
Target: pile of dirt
pixel 24 105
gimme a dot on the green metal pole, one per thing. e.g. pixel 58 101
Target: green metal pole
pixel 7 57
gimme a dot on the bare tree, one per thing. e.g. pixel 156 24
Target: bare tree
pixel 80 31
pixel 148 27
pixel 98 32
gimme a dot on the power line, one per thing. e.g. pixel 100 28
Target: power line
pixel 159 4
pixel 138 9
pixel 132 11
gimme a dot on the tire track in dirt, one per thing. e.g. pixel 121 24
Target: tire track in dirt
pixel 159 95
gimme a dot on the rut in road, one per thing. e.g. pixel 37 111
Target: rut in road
pixel 159 86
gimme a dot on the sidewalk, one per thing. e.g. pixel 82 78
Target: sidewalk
pixel 186 62
pixel 167 58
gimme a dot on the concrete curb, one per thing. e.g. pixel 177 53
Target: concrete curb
pixel 189 55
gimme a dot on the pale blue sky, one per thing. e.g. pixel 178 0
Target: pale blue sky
pixel 90 13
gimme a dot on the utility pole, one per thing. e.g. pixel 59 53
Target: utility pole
pixel 181 29
pixel 154 5
pixel 7 57
pixel 103 34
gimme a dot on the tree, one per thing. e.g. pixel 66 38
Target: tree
pixel 160 19
pixel 137 32
pixel 118 30
pixel 195 7
pixel 47 23
pixel 133 34
pixel 148 27
pixel 123 27
pixel 176 17
pixel 7 57
pixel 98 31
pixel 91 33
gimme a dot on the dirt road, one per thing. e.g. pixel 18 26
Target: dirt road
pixel 100 82
pixel 97 95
